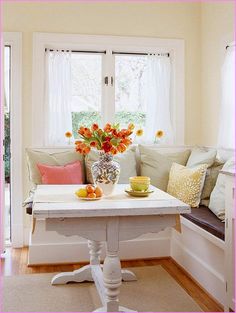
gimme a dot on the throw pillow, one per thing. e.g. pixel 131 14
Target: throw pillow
pixel 127 161
pixel 157 165
pixel 186 183
pixel 210 181
pixel 59 158
pixel 68 174
pixel 217 198
pixel 200 156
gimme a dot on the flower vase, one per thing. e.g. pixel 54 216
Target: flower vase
pixel 106 173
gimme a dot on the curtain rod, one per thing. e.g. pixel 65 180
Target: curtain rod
pixel 77 51
pixel 113 52
pixel 141 53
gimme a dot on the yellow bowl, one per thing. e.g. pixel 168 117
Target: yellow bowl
pixel 139 183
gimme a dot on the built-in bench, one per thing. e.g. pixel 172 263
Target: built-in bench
pixel 204 218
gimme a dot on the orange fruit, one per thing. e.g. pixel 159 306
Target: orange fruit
pixel 98 192
pixel 90 189
pixel 92 195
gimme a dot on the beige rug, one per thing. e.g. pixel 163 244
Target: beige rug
pixel 155 291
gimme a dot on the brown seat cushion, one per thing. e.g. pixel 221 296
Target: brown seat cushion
pixel 207 220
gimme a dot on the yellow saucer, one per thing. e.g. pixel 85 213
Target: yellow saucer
pixel 135 193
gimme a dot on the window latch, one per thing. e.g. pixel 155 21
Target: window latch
pixel 106 80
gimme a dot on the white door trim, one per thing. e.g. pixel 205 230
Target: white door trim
pixel 14 39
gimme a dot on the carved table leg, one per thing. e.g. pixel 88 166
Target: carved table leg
pixel 112 280
pixel 84 273
pixel 112 276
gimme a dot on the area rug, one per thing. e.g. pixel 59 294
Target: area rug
pixel 154 291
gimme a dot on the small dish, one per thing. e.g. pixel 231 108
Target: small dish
pixel 135 193
pixel 89 199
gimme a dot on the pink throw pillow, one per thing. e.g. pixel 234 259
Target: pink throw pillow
pixel 67 174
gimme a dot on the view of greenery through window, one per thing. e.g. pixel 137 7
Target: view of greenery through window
pixel 130 90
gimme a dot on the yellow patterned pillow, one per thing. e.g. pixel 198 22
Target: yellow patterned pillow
pixel 186 183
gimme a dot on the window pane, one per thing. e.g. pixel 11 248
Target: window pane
pixel 86 90
pixel 130 90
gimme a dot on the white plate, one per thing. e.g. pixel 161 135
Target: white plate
pixel 135 193
pixel 89 199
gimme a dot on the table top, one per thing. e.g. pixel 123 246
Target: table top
pixel 55 201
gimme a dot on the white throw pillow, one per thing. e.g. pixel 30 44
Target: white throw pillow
pixel 217 198
pixel 200 156
pixel 58 158
pixel 127 161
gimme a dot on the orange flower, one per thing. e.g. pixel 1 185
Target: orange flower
pixel 87 133
pixel 93 144
pixel 159 133
pixel 68 134
pixel 126 141
pixel 95 127
pixel 86 150
pixel 107 128
pixel 113 150
pixel 121 147
pixel 81 130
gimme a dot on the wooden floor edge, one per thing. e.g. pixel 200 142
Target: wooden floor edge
pixel 82 263
pixel 198 284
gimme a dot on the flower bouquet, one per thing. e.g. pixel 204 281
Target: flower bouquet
pixel 109 141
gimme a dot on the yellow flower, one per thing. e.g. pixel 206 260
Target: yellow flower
pixel 131 126
pixel 139 132
pixel 159 133
pixel 68 134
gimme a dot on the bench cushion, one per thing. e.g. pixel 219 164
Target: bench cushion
pixel 207 220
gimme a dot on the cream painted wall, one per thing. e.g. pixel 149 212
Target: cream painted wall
pixel 217 30
pixel 163 20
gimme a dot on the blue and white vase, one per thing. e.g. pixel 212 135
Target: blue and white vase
pixel 106 173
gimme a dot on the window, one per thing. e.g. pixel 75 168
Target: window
pixel 86 93
pixel 85 79
pixel 130 90
pixel 226 134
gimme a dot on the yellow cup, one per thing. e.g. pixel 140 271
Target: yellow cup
pixel 139 183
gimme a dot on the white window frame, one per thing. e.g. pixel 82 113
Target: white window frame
pixel 175 47
pixel 14 40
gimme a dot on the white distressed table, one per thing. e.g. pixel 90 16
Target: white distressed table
pixel 112 219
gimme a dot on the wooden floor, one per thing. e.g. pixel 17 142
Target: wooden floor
pixel 15 263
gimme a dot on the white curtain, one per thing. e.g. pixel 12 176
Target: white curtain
pixel 227 113
pixel 158 99
pixel 58 97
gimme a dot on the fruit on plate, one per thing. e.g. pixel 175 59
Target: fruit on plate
pixel 92 195
pixel 98 192
pixel 90 189
pixel 90 192
pixel 82 193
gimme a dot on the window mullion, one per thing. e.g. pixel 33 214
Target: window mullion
pixel 108 90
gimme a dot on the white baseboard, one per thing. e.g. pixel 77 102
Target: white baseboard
pixel 57 253
pixel 204 273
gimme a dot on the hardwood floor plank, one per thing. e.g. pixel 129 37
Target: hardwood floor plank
pixel 15 263
pixel 203 299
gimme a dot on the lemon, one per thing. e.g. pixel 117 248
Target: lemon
pixel 82 192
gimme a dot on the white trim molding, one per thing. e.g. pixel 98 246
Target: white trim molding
pixel 175 48
pixel 14 39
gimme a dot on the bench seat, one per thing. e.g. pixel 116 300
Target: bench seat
pixel 204 218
